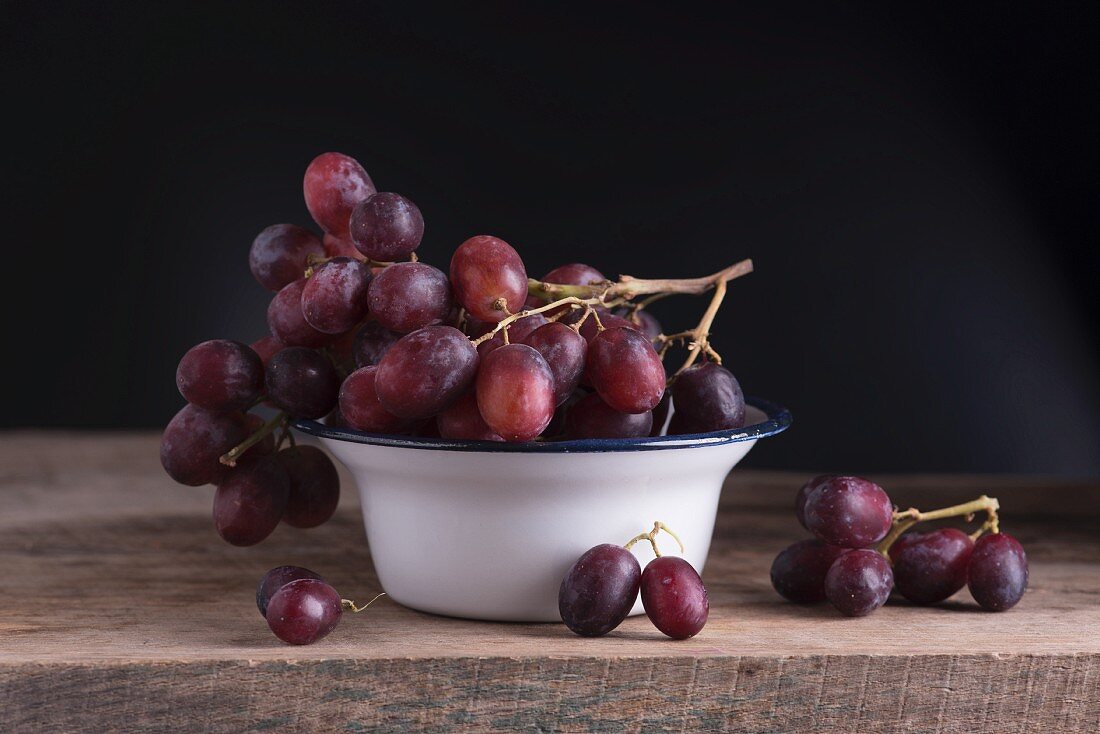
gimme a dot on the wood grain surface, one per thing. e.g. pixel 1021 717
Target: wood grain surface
pixel 121 610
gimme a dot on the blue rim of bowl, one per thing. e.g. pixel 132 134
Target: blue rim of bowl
pixel 778 419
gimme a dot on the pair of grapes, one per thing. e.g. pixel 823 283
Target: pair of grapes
pixel 850 515
pixel 299 606
pixel 601 588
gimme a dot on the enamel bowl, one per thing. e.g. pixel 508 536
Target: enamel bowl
pixel 487 530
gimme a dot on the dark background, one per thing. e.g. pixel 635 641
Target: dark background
pixel 917 187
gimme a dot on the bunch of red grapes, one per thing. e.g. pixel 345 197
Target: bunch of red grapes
pixel 365 336
pixel 601 588
pixel 860 554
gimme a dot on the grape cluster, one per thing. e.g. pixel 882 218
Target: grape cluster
pixel 299 606
pixel 600 589
pixel 364 335
pixel 861 552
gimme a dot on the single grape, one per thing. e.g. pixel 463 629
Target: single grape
pixel 287 321
pixel 334 298
pixel 591 417
pixel 930 567
pixel 334 183
pixel 798 572
pixel 251 500
pixel 280 253
pixel 515 392
pixel 193 442
pixel 599 590
pixel 462 420
pixel 847 511
pixel 660 414
pixel 409 296
pixel 804 492
pixel 564 351
pixel 674 597
pixel 386 226
pixel 488 278
pixel 371 342
pixel 707 398
pixel 276 579
pixel 574 274
pixel 220 375
pixel 266 444
pixel 997 574
pixel 359 404
pixel 340 247
pixel 625 370
pixel 302 382
pixel 314 486
pixel 304 611
pixel 267 347
pixel 425 371
pixel 859 582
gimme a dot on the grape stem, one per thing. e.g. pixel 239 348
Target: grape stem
pixel 905 519
pixel 229 458
pixel 350 606
pixel 651 536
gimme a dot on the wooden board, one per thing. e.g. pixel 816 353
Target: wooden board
pixel 121 610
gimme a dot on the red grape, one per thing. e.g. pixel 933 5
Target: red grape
pixel 488 278
pixel 707 398
pixel 409 296
pixel 674 597
pixel 334 299
pixel 608 320
pixel 518 331
pixel 425 371
pixel 574 274
pixel 847 511
pixel 267 347
pixel 276 579
pixel 515 392
pixel 371 342
pixel 314 486
pixel 193 442
pixel 304 611
pixel 625 370
pixel 339 247
pixel 359 404
pixel 462 420
pixel 804 492
pixel 251 500
pixel 334 183
pixel 599 590
pixel 564 351
pixel 220 375
pixel 386 226
pixel 302 382
pixel 798 572
pixel 930 567
pixel 591 417
pixel 280 253
pixel 859 582
pixel 287 322
pixel 998 572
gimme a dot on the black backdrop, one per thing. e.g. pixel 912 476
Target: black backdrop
pixel 916 187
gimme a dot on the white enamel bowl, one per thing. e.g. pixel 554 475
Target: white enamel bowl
pixel 487 530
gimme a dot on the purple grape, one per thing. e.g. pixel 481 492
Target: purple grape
pixel 220 375
pixel 798 572
pixel 998 572
pixel 193 442
pixel 386 226
pixel 488 278
pixel 425 371
pixel 302 382
pixel 674 597
pixel 359 404
pixel 251 500
pixel 287 322
pixel 859 582
pixel 334 298
pixel 930 567
pixel 608 320
pixel 515 392
pixel 625 370
pixel 804 492
pixel 574 274
pixel 591 417
pixel 462 420
pixel 847 511
pixel 405 297
pixel 518 331
pixel 564 351
pixel 280 254
pixel 276 579
pixel 334 183
pixel 599 590
pixel 371 342
pixel 304 611
pixel 314 486
pixel 707 398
